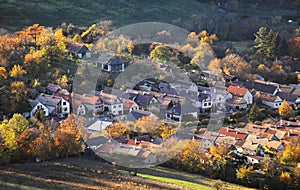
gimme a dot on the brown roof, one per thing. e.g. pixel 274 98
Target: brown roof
pixel 86 98
pixel 237 91
pixel 108 98
pixel 273 144
pixel 265 96
pixel 236 100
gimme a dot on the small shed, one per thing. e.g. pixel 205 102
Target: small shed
pixel 110 63
pixel 78 50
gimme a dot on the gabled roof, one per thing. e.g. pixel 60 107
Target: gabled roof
pixel 109 98
pixel 273 144
pixel 53 88
pixel 204 97
pixel 127 103
pixel 287 96
pixel 168 91
pixel 137 114
pixel 237 91
pixel 184 109
pixel 86 98
pixel 236 100
pixel 76 48
pixel 96 141
pixel 49 100
pixel 259 86
pixel 143 100
pixel 233 133
pixel 33 103
pixel 266 96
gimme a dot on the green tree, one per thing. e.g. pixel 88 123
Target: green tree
pixel 285 110
pixel 161 52
pixel 247 174
pixel 18 98
pixel 18 123
pixel 269 43
pixel 254 114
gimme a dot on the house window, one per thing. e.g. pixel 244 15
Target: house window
pixel 220 98
pixel 64 103
pixel 119 106
pixel 209 103
pixel 66 109
pixel 276 104
pixel 205 104
pixel 114 106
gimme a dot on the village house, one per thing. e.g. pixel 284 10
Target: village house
pixel 270 100
pixel 291 99
pixel 177 113
pixel 52 88
pixel 36 105
pixel 79 108
pixel 98 125
pixel 55 104
pixel 262 86
pixel 236 103
pixel 112 103
pixel 78 50
pixel 110 63
pixel 240 92
pixel 92 104
pixel 204 102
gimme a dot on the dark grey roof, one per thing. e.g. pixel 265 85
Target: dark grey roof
pixel 204 96
pixel 33 103
pixel 116 92
pixel 49 100
pixel 96 141
pixel 262 87
pixel 168 91
pixel 77 48
pixel 137 114
pixel 53 88
pixel 287 96
pixel 184 109
pixel 143 100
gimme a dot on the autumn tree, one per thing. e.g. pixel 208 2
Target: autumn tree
pixel 68 140
pixel 233 64
pixel 291 153
pixel 189 158
pixel 285 177
pixel 285 110
pixel 118 129
pixel 17 71
pixel 203 55
pixel 246 174
pixel 62 81
pixel 161 52
pixel 3 74
pixel 18 99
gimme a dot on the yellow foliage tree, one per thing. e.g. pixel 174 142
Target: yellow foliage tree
pixel 3 74
pixel 285 110
pixel 17 71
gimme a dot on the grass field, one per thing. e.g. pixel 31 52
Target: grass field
pixel 85 173
pixel 16 14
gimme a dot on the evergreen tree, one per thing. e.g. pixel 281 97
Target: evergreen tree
pixel 254 114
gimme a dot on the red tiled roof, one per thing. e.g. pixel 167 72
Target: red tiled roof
pixel 233 133
pixel 237 91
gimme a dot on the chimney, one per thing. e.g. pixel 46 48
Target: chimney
pixel 280 122
pixel 289 123
pixel 135 141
